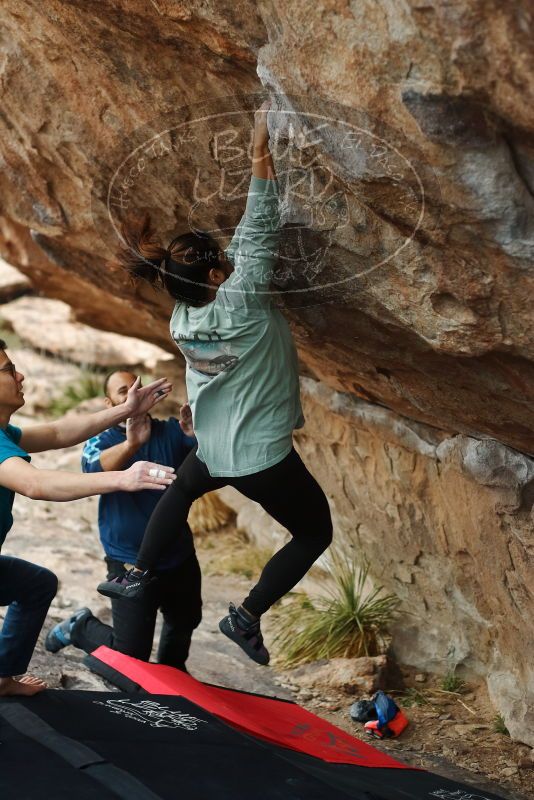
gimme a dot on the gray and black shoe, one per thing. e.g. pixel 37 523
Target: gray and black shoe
pixel 246 634
pixel 60 635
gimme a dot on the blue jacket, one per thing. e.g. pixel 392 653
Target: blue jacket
pixel 123 516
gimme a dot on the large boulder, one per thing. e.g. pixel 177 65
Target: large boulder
pixel 446 523
pixel 404 135
pixel 425 166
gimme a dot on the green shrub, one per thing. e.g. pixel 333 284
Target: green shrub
pixel 348 623
pixel 9 336
pixel 452 683
pixel 88 385
pixel 499 725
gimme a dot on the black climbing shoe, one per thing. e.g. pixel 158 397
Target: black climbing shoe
pixel 246 634
pixel 132 585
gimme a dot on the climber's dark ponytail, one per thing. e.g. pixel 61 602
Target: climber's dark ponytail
pixel 140 254
pixel 182 269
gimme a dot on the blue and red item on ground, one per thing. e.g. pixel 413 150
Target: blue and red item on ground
pixel 390 719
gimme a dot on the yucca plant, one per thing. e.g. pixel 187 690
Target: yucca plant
pixel 349 622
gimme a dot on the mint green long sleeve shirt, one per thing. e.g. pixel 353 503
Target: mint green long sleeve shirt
pixel 241 362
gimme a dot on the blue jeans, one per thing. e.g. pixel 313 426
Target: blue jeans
pixel 27 590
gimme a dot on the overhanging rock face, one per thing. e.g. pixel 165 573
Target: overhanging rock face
pixel 446 522
pixel 438 328
pixel 404 134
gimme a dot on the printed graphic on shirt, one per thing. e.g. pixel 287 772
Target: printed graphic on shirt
pixel 209 355
pixel 91 450
pixel 152 713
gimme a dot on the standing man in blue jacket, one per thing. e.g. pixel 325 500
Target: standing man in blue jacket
pixel 122 519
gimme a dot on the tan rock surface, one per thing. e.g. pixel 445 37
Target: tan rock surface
pixel 12 282
pixel 363 676
pixel 48 325
pixel 45 380
pixel 447 526
pixel 429 307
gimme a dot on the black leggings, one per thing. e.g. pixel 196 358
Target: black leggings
pixel 287 491
pixel 177 594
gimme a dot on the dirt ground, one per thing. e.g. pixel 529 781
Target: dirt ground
pixel 450 734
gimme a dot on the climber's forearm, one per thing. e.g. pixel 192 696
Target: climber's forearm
pixel 262 162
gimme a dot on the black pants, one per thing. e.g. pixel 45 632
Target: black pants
pixel 177 594
pixel 287 491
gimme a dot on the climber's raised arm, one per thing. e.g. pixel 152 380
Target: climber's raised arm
pixel 262 161
pixel 262 169
pixel 254 247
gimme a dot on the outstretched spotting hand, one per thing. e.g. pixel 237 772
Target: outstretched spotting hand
pixel 146 475
pixel 141 399
pixel 186 420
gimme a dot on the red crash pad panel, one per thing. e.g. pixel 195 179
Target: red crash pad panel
pixel 273 720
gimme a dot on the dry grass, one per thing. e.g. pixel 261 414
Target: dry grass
pixel 209 513
pixel 241 557
pixel 434 697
